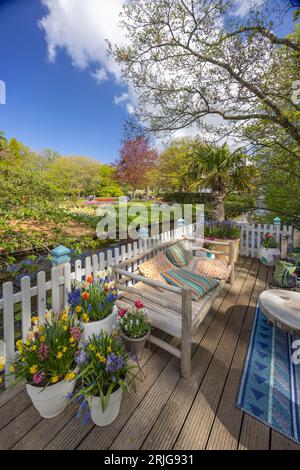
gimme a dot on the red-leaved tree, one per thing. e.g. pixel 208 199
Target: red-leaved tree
pixel 135 161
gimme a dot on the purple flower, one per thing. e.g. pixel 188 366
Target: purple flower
pixel 81 358
pixel 38 378
pixel 114 363
pixel 43 352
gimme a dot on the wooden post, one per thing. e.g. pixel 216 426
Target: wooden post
pixel 296 238
pixel 231 260
pixel 284 245
pixel 186 334
pixel 60 258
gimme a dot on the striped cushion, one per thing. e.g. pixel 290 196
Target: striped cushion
pixel 199 285
pixel 179 255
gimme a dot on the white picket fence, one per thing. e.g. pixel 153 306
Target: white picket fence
pixel 253 234
pixel 59 285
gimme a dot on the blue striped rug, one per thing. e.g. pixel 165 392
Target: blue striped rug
pixel 270 385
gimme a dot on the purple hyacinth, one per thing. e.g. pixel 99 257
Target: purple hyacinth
pixel 114 363
pixel 81 358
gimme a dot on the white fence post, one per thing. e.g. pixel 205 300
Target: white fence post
pixel 60 257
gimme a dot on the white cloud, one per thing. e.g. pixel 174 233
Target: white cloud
pixel 81 29
pixel 100 75
pixel 243 7
pixel 121 98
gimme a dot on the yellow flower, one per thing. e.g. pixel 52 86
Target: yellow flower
pixel 12 369
pixel 65 328
pixel 1 380
pixel 78 309
pixel 2 363
pixel 33 348
pixel 27 343
pixel 35 320
pixel 101 357
pixel 48 315
pixel 70 376
pixel 71 340
pixel 85 318
pixel 65 349
pixel 92 347
pixel 59 355
pixel 42 339
pixel 64 317
pixel 109 349
pixel 54 379
pixel 19 344
pixel 33 369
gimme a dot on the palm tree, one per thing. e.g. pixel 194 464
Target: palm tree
pixel 222 171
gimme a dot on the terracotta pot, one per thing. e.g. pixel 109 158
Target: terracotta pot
pixel 135 345
pixel 225 258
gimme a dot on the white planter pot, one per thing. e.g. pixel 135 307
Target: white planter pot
pixel 107 325
pixel 269 256
pixel 112 411
pixel 52 400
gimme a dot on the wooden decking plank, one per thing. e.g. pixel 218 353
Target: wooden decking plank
pixel 139 425
pixel 164 432
pixel 280 442
pixel 13 408
pixel 226 428
pixel 192 435
pixel 18 427
pixel 10 393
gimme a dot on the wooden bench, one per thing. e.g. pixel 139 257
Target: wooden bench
pixel 171 310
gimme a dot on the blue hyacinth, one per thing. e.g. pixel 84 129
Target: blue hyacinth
pixel 114 363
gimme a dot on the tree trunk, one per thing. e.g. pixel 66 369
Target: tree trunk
pixel 218 206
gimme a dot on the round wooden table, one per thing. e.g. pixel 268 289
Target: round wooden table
pixel 282 308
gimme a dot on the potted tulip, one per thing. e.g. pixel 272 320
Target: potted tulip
pixel 46 362
pixel 135 327
pixel 104 370
pixel 93 302
pixel 269 251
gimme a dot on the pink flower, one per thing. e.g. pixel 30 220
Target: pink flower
pixel 122 312
pixel 37 378
pixel 43 352
pixel 138 304
pixel 76 333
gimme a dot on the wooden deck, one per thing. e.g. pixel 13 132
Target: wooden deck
pixel 168 412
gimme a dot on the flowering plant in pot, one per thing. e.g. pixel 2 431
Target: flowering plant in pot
pixel 93 302
pixel 135 327
pixel 269 251
pixel 46 362
pixel 227 231
pixel 104 370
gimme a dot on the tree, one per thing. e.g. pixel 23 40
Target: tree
pixel 136 159
pixel 108 186
pixel 172 166
pixel 192 59
pixel 223 172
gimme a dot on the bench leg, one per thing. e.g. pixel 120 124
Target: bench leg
pixel 186 340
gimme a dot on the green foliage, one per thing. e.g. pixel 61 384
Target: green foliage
pixel 104 367
pixel 108 186
pixel 224 229
pixel 134 322
pixel 187 198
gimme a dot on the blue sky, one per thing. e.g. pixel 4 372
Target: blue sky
pixel 62 90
